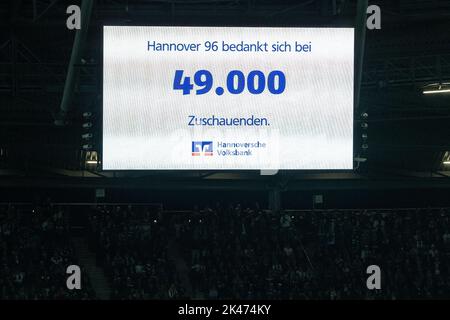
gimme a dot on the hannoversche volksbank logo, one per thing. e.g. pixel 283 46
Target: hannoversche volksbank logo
pixel 202 148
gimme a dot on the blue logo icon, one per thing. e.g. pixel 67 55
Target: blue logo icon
pixel 202 148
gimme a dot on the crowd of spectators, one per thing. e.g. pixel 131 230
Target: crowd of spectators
pixel 131 246
pixel 241 253
pixel 248 253
pixel 230 252
pixel 35 251
pixel 411 247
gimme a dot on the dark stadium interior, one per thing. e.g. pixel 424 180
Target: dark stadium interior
pixel 223 234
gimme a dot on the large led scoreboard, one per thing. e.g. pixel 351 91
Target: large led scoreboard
pixel 193 98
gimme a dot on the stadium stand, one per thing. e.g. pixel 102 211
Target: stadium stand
pixel 250 254
pixel 131 246
pixel 230 252
pixel 35 250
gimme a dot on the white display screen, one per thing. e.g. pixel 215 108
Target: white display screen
pixel 227 98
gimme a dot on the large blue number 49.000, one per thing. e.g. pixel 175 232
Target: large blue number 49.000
pixel 180 84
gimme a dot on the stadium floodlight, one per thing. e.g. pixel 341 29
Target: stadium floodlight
pixel 91 161
pixel 446 158
pixel 437 88
pixel 436 91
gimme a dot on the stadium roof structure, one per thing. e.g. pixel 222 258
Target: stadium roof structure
pixel 40 136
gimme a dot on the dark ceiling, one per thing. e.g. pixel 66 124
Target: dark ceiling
pixel 408 132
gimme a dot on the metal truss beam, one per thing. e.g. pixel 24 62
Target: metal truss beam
pixel 78 44
pixel 406 71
